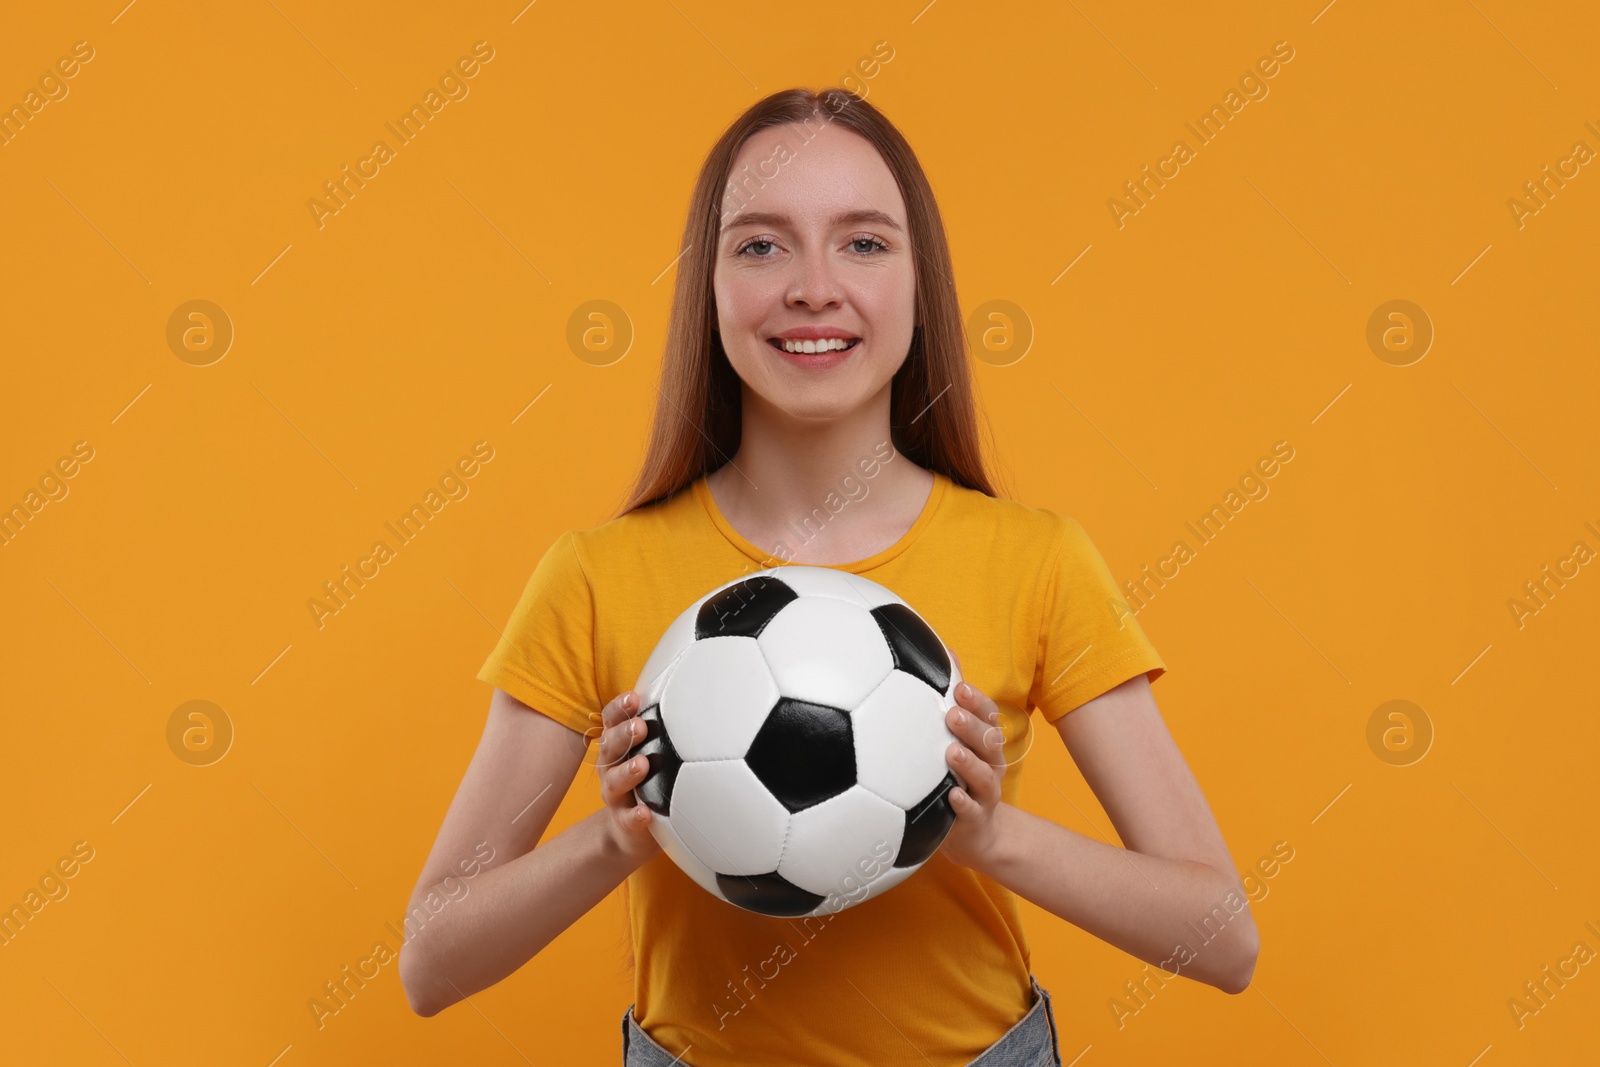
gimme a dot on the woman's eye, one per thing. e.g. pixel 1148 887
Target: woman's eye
pixel 761 247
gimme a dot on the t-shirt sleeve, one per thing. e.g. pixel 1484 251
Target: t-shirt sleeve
pixel 545 657
pixel 1089 641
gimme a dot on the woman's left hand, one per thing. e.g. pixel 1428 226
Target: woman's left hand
pixel 978 759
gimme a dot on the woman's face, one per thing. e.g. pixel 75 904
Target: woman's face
pixel 814 241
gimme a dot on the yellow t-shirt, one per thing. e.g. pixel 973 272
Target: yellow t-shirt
pixel 936 969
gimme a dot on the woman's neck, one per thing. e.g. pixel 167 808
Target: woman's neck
pixel 822 492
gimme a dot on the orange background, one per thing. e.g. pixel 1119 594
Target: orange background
pixel 369 354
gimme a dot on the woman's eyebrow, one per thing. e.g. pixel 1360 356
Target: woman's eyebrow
pixel 772 218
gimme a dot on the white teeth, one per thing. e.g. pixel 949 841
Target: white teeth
pixel 831 344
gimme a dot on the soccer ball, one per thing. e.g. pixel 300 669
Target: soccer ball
pixel 796 741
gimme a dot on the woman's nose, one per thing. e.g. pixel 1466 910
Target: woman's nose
pixel 814 284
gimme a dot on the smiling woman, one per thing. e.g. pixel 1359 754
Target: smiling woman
pixel 813 324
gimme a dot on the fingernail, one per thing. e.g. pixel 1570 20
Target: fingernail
pixel 961 718
pixel 627 701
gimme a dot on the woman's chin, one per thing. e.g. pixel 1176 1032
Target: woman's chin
pixel 810 402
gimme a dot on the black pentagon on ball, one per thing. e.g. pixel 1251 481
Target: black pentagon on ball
pixel 804 753
pixel 743 609
pixel 655 789
pixel 768 894
pixel 927 823
pixel 917 649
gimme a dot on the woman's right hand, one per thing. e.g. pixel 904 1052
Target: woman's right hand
pixel 629 824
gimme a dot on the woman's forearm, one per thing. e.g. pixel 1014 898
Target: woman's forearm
pixel 512 912
pixel 1183 916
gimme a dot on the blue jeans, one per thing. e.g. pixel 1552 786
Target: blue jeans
pixel 1031 1042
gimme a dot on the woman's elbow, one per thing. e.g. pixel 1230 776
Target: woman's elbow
pixel 1238 979
pixel 414 979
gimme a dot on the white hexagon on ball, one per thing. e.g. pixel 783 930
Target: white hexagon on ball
pixel 717 697
pixel 726 817
pixel 901 740
pixel 838 846
pixel 826 651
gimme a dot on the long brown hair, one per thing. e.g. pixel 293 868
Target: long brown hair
pixel 932 413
